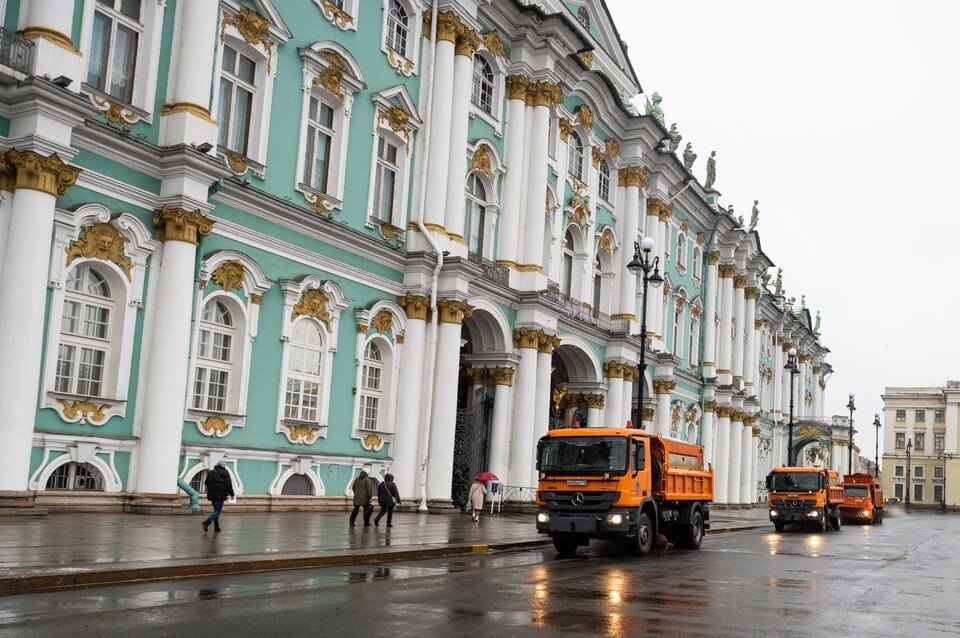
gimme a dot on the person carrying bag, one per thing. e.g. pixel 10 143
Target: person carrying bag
pixel 389 497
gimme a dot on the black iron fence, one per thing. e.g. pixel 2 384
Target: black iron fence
pixel 491 271
pixel 574 309
pixel 16 51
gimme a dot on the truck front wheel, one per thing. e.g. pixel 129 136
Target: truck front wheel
pixel 778 525
pixel 565 544
pixel 642 542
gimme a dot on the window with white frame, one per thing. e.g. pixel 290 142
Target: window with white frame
pixel 215 355
pixel 901 415
pixel 937 493
pixel 681 250
pixel 566 267
pixel 385 185
pixel 938 440
pixel 918 492
pixel 693 348
pixel 918 471
pixel 371 387
pixel 482 94
pixel 697 261
pixel 304 372
pixel 678 332
pixel 84 347
pixel 115 47
pixel 76 476
pixel 597 282
pixel 920 442
pixel 398 28
pixel 898 490
pixel 603 181
pixel 575 156
pixel 938 472
pixel 320 134
pixel 238 74
pixel 474 222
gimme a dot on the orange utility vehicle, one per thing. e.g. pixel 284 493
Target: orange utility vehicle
pixel 862 499
pixel 621 483
pixel 804 495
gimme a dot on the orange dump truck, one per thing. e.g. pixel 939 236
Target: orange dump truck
pixel 804 495
pixel 621 483
pixel 862 499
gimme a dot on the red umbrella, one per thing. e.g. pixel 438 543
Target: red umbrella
pixel 486 476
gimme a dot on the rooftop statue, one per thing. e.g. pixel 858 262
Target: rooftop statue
pixel 675 138
pixel 654 107
pixel 711 171
pixel 765 278
pixel 689 157
pixel 803 302
pixel 740 220
pixel 754 215
pixel 816 325
pixel 778 283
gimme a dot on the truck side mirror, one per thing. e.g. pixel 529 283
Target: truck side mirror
pixel 539 452
pixel 824 481
pixel 639 456
pixel 769 481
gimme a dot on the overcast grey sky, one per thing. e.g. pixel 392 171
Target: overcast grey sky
pixel 841 118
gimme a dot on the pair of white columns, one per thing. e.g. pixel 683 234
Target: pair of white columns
pixel 629 180
pixel 531 404
pixel 618 405
pixel 710 328
pixel 724 365
pixel 739 313
pixel 751 343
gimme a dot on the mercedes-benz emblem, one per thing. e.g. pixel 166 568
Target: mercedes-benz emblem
pixel 578 499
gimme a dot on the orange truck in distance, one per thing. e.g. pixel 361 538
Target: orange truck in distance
pixel 621 483
pixel 811 495
pixel 862 499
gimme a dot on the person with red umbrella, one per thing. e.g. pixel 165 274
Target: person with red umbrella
pixel 477 490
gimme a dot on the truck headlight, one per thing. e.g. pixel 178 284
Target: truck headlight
pixel 614 519
pixel 866 512
pixel 813 513
pixel 774 513
pixel 543 517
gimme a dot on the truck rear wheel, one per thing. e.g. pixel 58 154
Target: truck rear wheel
pixel 692 536
pixel 835 521
pixel 642 542
pixel 880 517
pixel 565 544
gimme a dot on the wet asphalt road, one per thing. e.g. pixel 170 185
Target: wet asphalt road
pixel 898 579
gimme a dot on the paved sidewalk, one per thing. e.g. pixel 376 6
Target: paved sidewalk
pixel 63 551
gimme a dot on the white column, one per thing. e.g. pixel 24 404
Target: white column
pixel 801 389
pixel 950 438
pixel 6 211
pixel 754 467
pixel 541 406
pixel 748 490
pixel 626 407
pixel 23 288
pixel 654 298
pixel 462 87
pixel 510 211
pixel 785 383
pixel 186 118
pixel 544 95
pixel 595 405
pixel 709 354
pixel 49 24
pixel 663 244
pixel 407 433
pixel 707 435
pixel 750 347
pixel 724 374
pixel 444 422
pixel 663 387
pixel 524 401
pixel 629 179
pixel 441 114
pixel 500 427
pixel 613 409
pixel 739 311
pixel 167 371
pixel 722 456
pixel 733 458
pixel 776 387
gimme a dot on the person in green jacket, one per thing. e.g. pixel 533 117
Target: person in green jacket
pixel 363 491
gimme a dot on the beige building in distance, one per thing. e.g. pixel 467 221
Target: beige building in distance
pixel 923 420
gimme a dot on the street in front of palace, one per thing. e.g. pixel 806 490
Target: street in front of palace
pixel 896 579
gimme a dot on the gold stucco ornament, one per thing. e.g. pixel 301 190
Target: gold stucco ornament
pixel 313 303
pixel 382 321
pixel 229 275
pixel 101 241
pixel 86 410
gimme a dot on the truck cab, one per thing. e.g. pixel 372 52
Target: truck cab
pixel 808 495
pixel 621 483
pixel 862 499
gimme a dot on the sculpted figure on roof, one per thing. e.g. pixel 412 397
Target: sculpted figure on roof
pixel 654 107
pixel 689 157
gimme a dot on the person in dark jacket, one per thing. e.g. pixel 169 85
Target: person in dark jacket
pixel 219 488
pixel 389 497
pixel 363 490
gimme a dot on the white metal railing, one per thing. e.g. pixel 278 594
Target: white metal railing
pixel 513 494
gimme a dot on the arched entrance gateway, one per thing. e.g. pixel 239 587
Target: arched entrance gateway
pixel 811 445
pixel 576 394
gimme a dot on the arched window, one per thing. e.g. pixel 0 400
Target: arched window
pixel 474 221
pixel 398 28
pixel 198 481
pixel 566 267
pixel 76 476
pixel 693 347
pixel 304 372
pixel 371 387
pixel 697 261
pixel 298 485
pixel 678 332
pixel 604 181
pixel 320 135
pixel 681 250
pixel 215 350
pixel 575 156
pixel 84 333
pixel 482 94
pixel 597 282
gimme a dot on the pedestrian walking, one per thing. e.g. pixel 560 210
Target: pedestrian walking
pixel 475 498
pixel 219 488
pixel 362 495
pixel 388 497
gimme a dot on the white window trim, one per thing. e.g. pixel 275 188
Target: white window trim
pixel 245 325
pixel 384 103
pixel 405 65
pixel 70 450
pixel 148 62
pixel 127 296
pixel 495 117
pixel 391 396
pixel 196 461
pixel 345 19
pixel 314 65
pixel 293 290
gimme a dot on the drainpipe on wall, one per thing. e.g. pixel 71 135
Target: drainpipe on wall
pixel 194 495
pixel 432 339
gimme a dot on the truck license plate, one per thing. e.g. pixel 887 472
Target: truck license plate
pixel 579 482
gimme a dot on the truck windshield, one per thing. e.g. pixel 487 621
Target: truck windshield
pixel 583 455
pixel 807 481
pixel 855 490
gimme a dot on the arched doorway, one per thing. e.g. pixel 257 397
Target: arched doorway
pixel 574 380
pixel 811 445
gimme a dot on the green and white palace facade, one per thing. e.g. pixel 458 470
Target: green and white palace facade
pixel 313 236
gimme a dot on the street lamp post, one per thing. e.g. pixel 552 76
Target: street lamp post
pixel 791 367
pixel 850 407
pixel 906 502
pixel 642 264
pixel 943 494
pixel 876 446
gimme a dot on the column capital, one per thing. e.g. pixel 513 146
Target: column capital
pixel 648 414
pixel 449 26
pixel 739 281
pixel 517 86
pixel 737 416
pixel 659 208
pixel 544 94
pixel 501 375
pixel 756 433
pixel 724 411
pixel 757 324
pixel 635 176
pixel 816 369
pixel 453 310
pixel 664 386
pixel 595 401
pixel 476 375
pixel 785 346
pixel 713 258
pixel 710 405
pixel 30 170
pixel 726 271
pixel 749 420
pixel 417 307
pixel 526 338
pixel 467 43
pixel 751 292
pixel 178 224
pixel 547 342
pixel 615 369
pixel 565 127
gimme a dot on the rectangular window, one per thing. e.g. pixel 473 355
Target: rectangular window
pixel 71 317
pixel 302 399
pixel 898 490
pixel 920 416
pixel 898 470
pixel 210 389
pixel 237 88
pixel 938 440
pixel 66 360
pixel 901 440
pixel 369 409
pixel 901 415
pixel 319 141
pixel 90 372
pixel 95 321
pixel 938 472
pixel 919 441
pixel 117 28
pixel 918 471
pixel 939 416
pixel 384 191
pixel 918 493
pixel 937 493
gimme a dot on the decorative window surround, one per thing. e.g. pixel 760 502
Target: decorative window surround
pixel 119 248
pixel 59 450
pixel 384 322
pixel 404 64
pixel 240 285
pixel 331 74
pixel 345 18
pixel 397 121
pixel 487 163
pixel 302 465
pixel 193 464
pixel 145 74
pixel 308 298
pixel 500 70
